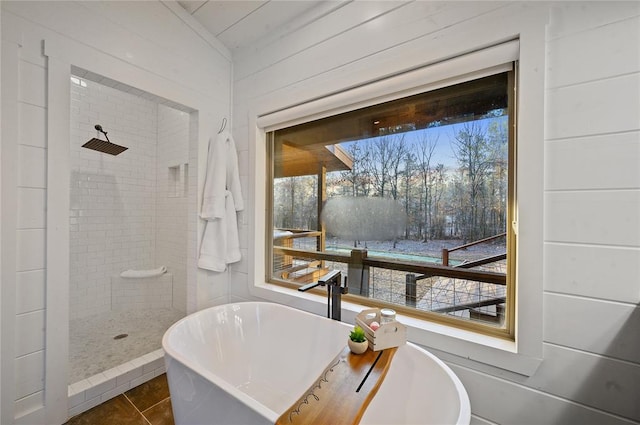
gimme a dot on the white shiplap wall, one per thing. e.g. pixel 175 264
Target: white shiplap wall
pixel 152 46
pixel 590 373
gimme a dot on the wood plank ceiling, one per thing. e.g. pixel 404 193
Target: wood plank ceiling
pixel 238 24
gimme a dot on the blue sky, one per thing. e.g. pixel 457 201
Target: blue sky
pixel 443 153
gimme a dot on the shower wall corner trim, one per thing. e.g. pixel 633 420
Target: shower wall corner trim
pixel 57 229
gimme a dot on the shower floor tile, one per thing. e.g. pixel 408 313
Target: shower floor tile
pixel 93 349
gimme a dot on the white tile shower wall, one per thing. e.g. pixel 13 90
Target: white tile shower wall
pixel 173 173
pixel 148 292
pixel 113 198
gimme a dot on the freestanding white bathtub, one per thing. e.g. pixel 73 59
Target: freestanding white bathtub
pixel 246 363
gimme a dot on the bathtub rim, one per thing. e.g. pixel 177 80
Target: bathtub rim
pixel 249 401
pixel 464 415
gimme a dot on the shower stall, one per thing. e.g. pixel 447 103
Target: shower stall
pixel 129 223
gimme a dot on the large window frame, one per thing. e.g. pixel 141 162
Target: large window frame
pixel 308 159
pixel 457 346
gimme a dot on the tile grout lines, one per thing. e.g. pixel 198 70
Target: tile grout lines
pixel 147 409
pixel 137 410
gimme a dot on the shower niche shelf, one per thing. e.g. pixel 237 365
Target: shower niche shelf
pixel 178 184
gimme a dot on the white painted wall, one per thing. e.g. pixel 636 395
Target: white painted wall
pixel 153 46
pixel 588 207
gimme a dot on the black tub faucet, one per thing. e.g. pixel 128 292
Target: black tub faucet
pixel 335 288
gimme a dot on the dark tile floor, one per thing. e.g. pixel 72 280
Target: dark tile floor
pixel 146 404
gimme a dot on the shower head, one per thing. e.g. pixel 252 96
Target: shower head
pixel 102 146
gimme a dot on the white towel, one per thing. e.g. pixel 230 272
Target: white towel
pixel 222 175
pixel 138 274
pixel 220 244
pixel 221 198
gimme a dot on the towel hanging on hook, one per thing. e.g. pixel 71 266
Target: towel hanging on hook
pixel 224 124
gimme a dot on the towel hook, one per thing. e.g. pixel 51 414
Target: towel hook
pixel 224 124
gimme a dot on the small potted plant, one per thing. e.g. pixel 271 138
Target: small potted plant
pixel 358 343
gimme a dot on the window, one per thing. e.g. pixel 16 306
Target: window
pixel 411 198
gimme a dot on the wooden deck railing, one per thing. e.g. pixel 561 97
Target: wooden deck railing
pixel 438 270
pixel 446 251
pixel 357 262
pixel 358 265
pixel 295 234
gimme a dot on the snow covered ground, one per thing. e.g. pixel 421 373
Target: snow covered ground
pixel 432 248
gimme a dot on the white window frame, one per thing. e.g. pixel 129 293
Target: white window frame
pixel 458 346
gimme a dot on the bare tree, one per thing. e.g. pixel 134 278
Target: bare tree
pixel 408 175
pixel 498 182
pixel 357 179
pixel 436 210
pixel 398 151
pixel 426 147
pixel 385 154
pixel 295 202
pixel 476 157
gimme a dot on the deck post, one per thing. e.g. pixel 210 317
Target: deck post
pixel 322 197
pixel 410 289
pixel 358 273
pixel 445 257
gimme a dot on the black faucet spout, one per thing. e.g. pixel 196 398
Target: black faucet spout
pixel 335 288
pixel 311 285
pixel 331 278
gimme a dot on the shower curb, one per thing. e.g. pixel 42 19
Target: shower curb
pixel 97 389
